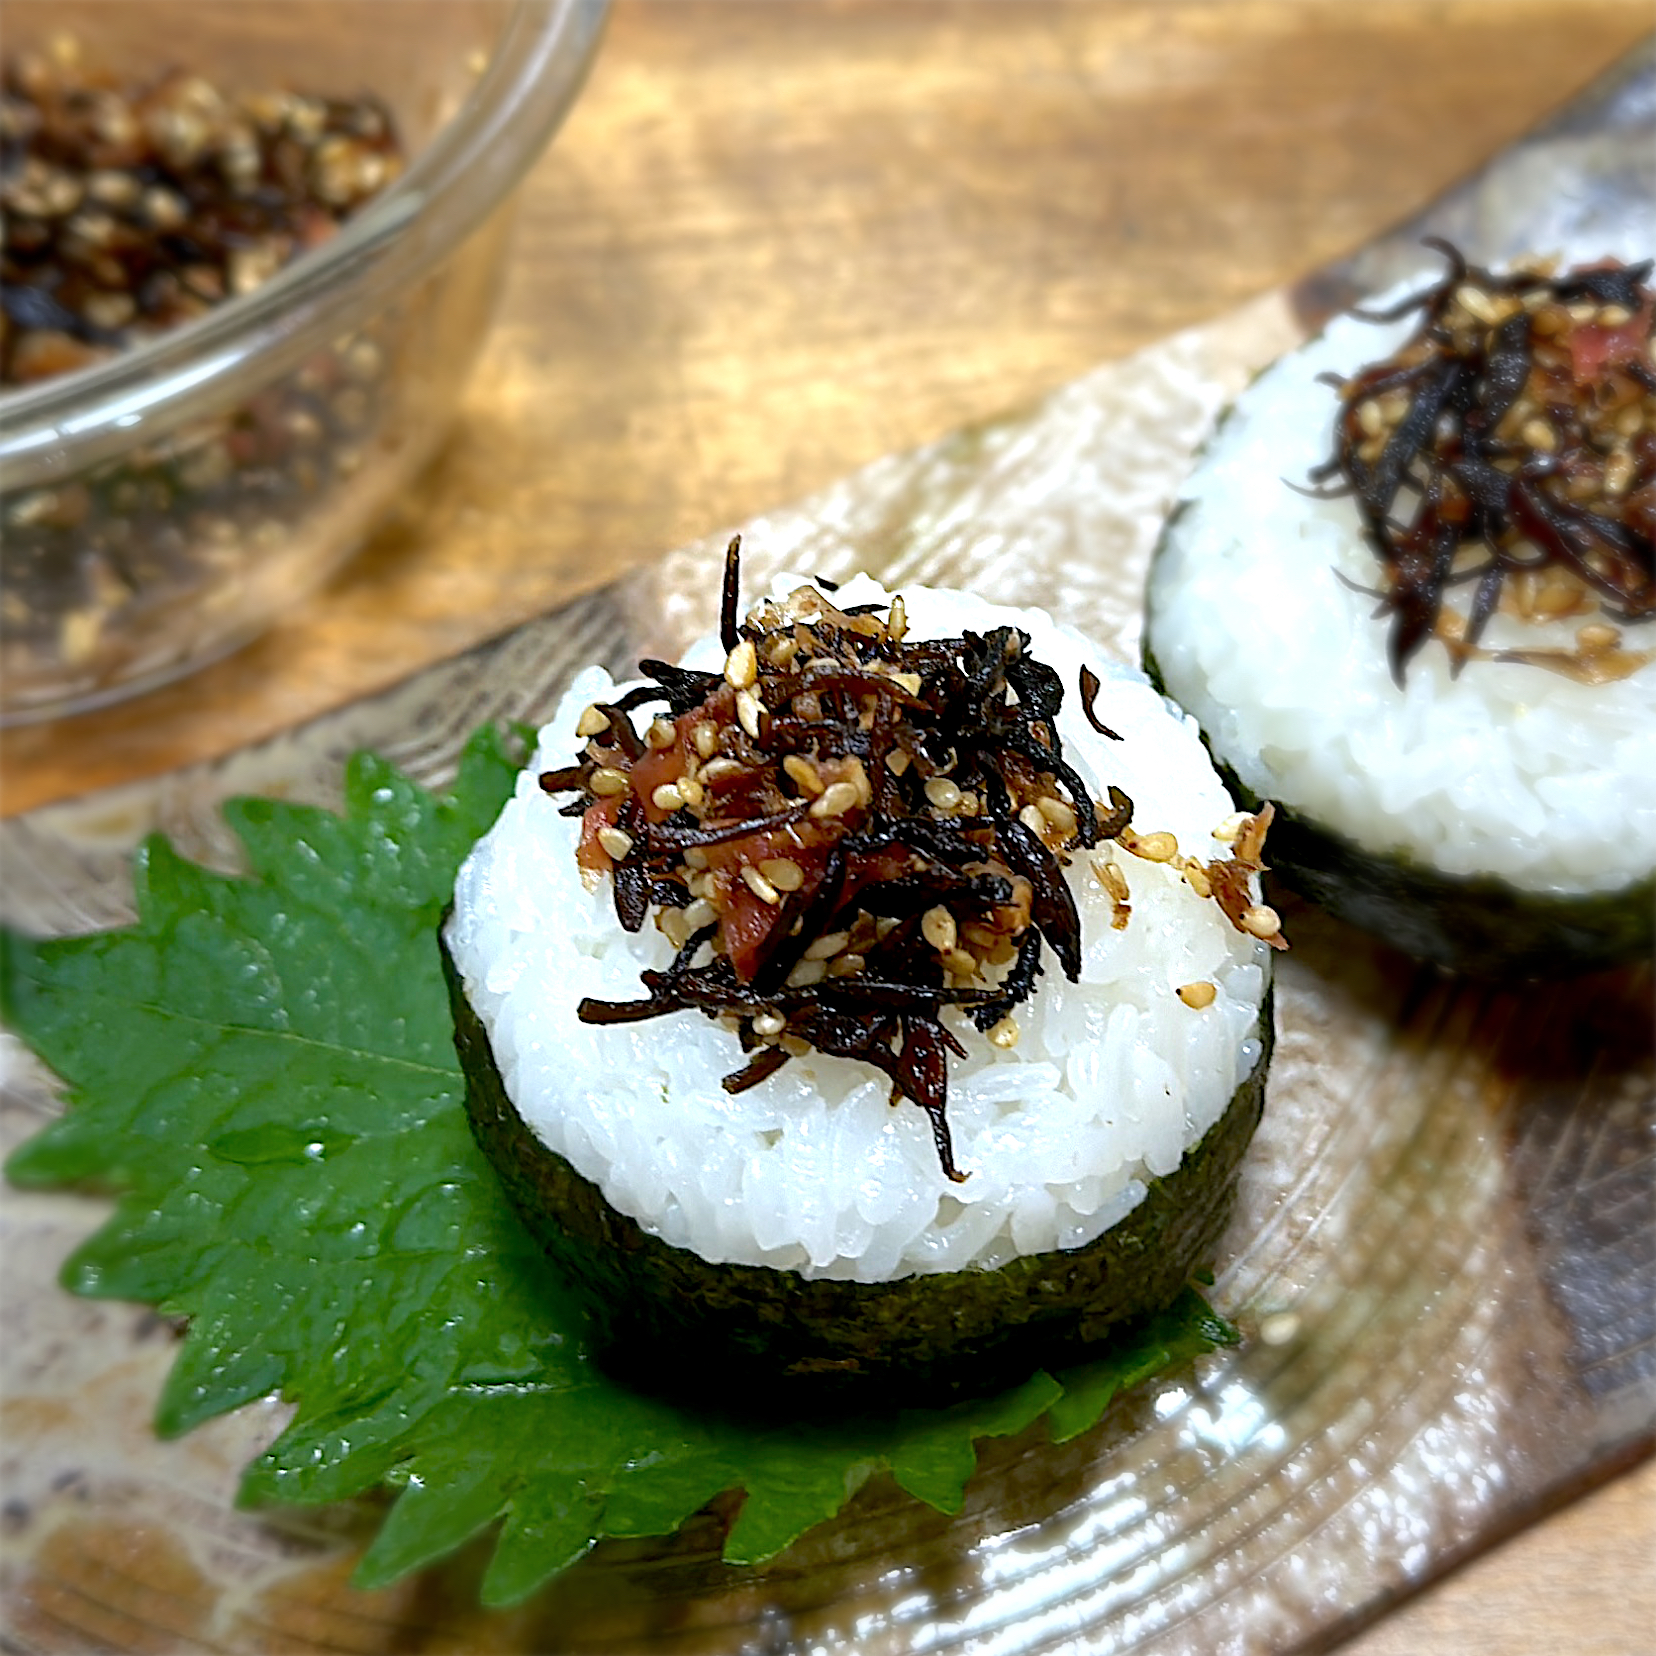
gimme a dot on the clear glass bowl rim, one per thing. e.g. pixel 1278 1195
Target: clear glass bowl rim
pixel 55 431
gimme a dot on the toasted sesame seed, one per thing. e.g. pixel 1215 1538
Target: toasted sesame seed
pixel 806 973
pixel 836 800
pixel 1539 435
pixel 607 782
pixel 938 928
pixel 592 722
pixel 1476 303
pixel 1582 311
pixel 1196 995
pixel 1630 422
pixel 716 769
pixel 616 842
pixel 825 948
pixel 667 797
pixel 760 886
pixel 704 735
pixel 749 711
pixel 1005 1034
pixel 661 734
pixel 1260 920
pixel 796 1046
pixel 846 965
pixel 803 772
pixel 1161 847
pixel 695 857
pixel 1030 816
pixel 783 873
pixel 1196 877
pixel 742 665
pixel 692 790
pixel 674 927
pixel 961 963
pixel 897 761
pixel 1233 825
pixel 909 681
pixel 943 794
pixel 1598 637
pixel 1058 812
pixel 1613 316
pixel 1111 878
pixel 1618 471
pixel 897 620
pixel 769 1023
pixel 700 913
pixel 1370 421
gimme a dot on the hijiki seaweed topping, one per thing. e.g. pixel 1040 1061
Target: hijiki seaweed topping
pixel 1510 445
pixel 848 830
pixel 136 206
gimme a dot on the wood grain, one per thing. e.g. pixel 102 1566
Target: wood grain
pixel 1583 1582
pixel 777 240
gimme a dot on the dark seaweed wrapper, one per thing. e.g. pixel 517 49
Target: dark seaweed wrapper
pixel 919 1339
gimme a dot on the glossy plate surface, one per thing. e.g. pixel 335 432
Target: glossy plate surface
pixel 1444 1262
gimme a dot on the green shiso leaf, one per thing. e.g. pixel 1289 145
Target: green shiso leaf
pixel 260 1070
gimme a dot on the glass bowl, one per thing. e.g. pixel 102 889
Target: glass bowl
pixel 160 507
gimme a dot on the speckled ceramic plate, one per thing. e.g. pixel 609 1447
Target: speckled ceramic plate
pixel 1444 1262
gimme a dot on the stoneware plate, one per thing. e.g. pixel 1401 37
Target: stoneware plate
pixel 1443 1261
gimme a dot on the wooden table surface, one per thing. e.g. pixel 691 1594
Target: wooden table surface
pixel 778 240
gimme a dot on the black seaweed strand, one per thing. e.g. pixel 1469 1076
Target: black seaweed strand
pixel 1509 450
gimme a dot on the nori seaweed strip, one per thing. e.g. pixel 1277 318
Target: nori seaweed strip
pixel 621 730
pixel 730 596
pixel 1504 377
pixel 922 1071
pixel 685 687
pixel 899 898
pixel 1040 690
pixel 946 842
pixel 641 696
pixel 1086 824
pixel 1018 986
pixel 760 1068
pixel 1090 686
pixel 1053 909
pixel 1121 814
pixel 1607 287
pixel 561 781
pixel 814 922
pixel 901 997
pixel 673 835
pixel 661 985
pixel 632 891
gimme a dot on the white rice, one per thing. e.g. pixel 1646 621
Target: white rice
pixel 1113 1079
pixel 1510 770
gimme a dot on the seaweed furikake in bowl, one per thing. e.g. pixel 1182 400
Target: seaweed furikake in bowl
pixel 1432 646
pixel 876 996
